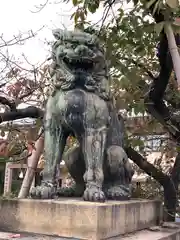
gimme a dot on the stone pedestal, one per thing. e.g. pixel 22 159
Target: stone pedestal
pixel 78 219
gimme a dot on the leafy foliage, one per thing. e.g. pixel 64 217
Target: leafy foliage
pixel 130 39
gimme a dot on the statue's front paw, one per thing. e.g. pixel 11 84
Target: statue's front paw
pixel 45 191
pixel 94 194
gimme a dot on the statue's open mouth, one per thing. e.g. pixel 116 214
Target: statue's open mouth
pixel 81 63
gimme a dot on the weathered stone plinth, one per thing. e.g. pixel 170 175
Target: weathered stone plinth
pixel 78 219
pixel 167 234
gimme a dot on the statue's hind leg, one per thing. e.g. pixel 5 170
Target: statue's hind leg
pixel 118 180
pixel 76 167
pixel 93 145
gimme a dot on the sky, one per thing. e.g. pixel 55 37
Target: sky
pixel 22 16
pixel 18 17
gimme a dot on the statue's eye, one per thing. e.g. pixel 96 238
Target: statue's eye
pixel 74 46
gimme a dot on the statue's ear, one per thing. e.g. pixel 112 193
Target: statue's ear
pixel 58 33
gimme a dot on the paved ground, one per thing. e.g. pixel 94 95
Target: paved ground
pixel 23 236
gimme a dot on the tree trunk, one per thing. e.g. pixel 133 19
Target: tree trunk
pixel 171 191
pixel 169 183
pixel 32 166
pixel 170 200
pixel 173 50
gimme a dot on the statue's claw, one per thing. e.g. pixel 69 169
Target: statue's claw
pixel 94 194
pixel 45 191
pixel 118 192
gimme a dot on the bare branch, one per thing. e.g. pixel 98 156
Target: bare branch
pixel 15 40
pixel 7 102
pixel 40 7
pixel 29 112
pixel 149 168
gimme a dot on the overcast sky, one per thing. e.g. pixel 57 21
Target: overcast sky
pixel 22 16
pixel 17 16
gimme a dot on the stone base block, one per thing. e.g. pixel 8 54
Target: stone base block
pixel 78 219
pixel 161 234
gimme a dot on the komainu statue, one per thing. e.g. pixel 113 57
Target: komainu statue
pixel 80 104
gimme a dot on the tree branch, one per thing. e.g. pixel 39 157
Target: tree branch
pixel 149 168
pixel 140 65
pixel 175 170
pixel 7 102
pixel 28 93
pixel 29 112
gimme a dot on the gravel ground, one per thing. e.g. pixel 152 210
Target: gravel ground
pixel 24 236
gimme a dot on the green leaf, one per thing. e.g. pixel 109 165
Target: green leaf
pixel 150 3
pixel 93 6
pixel 159 27
pixel 72 16
pixel 137 142
pixel 75 2
pixel 120 13
pixel 178 148
pixel 124 82
pixel 156 7
pixel 38 122
pixel 172 3
pixel 135 2
pixel 139 108
pixel 76 16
